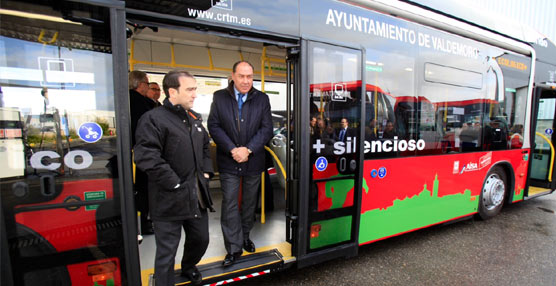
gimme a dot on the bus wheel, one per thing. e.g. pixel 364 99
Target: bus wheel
pixel 493 193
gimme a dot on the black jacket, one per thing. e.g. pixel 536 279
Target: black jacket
pixel 138 106
pixel 228 131
pixel 173 148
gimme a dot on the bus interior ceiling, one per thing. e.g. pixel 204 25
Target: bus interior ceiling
pixel 210 59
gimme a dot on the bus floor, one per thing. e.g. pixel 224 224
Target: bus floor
pixel 272 232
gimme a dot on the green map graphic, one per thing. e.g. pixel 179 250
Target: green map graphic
pixel 338 190
pixel 424 209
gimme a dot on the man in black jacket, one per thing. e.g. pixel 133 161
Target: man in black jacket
pixel 173 148
pixel 139 104
pixel 240 123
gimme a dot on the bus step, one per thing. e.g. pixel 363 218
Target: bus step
pixel 247 266
pixel 537 192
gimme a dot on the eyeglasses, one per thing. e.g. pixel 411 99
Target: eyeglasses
pixel 155 89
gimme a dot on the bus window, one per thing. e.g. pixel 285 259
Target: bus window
pixel 390 109
pixel 60 198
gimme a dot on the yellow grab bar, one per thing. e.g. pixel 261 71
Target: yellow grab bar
pixel 279 165
pixel 551 156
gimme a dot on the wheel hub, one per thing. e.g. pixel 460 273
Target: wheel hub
pixel 493 192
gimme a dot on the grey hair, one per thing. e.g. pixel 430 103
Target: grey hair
pixel 135 78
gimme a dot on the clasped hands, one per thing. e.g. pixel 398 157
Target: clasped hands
pixel 240 154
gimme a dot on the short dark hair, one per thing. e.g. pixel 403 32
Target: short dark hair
pixel 239 62
pixel 172 80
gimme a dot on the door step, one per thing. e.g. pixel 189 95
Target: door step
pixel 247 266
pixel 536 192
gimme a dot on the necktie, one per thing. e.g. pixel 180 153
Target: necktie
pixel 342 134
pixel 240 102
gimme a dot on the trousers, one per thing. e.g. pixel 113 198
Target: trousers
pixel 167 235
pixel 236 224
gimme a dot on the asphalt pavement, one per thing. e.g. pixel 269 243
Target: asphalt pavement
pixel 517 247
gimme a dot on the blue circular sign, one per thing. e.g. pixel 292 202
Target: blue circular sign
pixel 321 163
pixel 382 172
pixel 90 132
pixel 548 131
pixel 374 173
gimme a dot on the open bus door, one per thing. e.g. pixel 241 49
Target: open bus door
pixel 541 170
pixel 329 166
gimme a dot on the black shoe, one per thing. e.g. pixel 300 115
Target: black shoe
pixel 193 275
pixel 248 245
pixel 231 258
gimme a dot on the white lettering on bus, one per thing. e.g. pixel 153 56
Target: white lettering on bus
pixel 69 160
pixel 376 146
pixel 369 26
pixel 221 17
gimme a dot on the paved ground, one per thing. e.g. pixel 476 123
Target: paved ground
pixel 518 247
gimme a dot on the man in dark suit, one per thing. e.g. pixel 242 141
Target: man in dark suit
pixel 240 124
pixel 139 104
pixel 345 131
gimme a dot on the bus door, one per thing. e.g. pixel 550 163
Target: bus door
pixel 61 213
pixel 330 172
pixel 542 173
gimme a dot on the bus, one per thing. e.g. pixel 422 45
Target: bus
pixel 450 119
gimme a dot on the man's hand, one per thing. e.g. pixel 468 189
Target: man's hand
pixel 240 154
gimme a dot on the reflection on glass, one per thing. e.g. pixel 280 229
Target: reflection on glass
pixel 58 151
pixel 335 92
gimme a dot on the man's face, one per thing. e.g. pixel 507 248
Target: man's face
pixel 243 77
pixel 154 91
pixel 187 92
pixel 313 122
pixel 344 123
pixel 320 123
pixel 143 87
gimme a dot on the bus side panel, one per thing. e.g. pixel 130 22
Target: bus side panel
pixel 415 192
pixel 67 229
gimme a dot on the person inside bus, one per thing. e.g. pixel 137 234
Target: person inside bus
pixel 313 126
pixel 344 131
pixel 516 139
pixel 173 149
pixel 240 123
pixel 370 131
pixel 469 136
pixel 496 135
pixel 139 104
pixel 154 93
pixel 46 101
pixel 389 131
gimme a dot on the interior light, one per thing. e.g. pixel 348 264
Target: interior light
pixel 409 69
pixel 36 16
pixel 371 63
pixel 380 64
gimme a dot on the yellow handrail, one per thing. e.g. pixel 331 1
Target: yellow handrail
pixel 52 41
pixel 551 156
pixel 279 165
pixel 172 64
pixel 263 217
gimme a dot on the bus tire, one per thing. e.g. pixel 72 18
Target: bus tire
pixel 493 193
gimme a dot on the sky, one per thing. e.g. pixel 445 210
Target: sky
pixel 538 14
